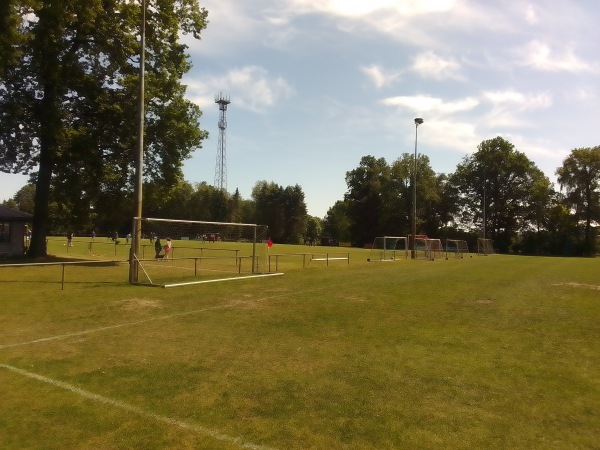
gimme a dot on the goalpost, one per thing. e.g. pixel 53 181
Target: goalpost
pixel 457 247
pixel 434 249
pixel 428 248
pixel 389 248
pixel 183 252
pixel 485 247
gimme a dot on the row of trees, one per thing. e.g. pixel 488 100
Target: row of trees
pixel 282 208
pixel 497 192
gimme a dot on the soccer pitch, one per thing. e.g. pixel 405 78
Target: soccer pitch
pixel 482 352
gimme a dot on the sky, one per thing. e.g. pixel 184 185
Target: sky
pixel 315 85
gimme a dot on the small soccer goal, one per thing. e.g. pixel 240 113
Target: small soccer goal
pixel 389 248
pixel 456 248
pixel 485 247
pixel 183 252
pixel 427 248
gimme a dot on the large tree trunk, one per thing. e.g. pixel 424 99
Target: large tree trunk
pixel 37 248
pixel 50 122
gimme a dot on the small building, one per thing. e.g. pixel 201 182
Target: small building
pixel 14 231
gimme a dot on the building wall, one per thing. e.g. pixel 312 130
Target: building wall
pixel 15 245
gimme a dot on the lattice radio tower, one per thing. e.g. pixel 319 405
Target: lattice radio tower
pixel 221 166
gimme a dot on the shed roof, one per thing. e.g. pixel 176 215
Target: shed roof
pixel 10 214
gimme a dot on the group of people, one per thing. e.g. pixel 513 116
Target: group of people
pixel 162 251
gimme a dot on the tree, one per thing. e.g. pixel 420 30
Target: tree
pixel 501 184
pixel 235 207
pixel 283 210
pixel 379 198
pixel 66 109
pixel 24 198
pixel 397 198
pixel 314 228
pixel 364 197
pixel 337 223
pixel 579 176
pixel 269 208
pixel 429 196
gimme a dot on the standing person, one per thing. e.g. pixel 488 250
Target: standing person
pixel 168 248
pixel 127 238
pixel 27 236
pixel 93 234
pixel 157 248
pixel 70 239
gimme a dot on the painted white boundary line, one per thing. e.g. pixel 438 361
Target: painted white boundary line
pixel 329 259
pixel 112 327
pixel 245 277
pixel 136 410
pixel 138 322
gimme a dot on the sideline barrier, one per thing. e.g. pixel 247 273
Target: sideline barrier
pixel 63 264
pixel 310 257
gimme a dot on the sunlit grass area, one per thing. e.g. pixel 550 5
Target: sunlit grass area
pixel 481 352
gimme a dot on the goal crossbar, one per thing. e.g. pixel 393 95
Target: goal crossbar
pixel 485 247
pixel 389 248
pixel 181 252
pixel 457 247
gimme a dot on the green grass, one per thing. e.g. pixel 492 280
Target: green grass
pixel 482 352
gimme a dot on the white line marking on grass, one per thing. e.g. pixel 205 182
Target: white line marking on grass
pixel 243 277
pixel 112 327
pixel 329 259
pixel 138 322
pixel 136 410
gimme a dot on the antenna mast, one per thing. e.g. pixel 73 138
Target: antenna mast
pixel 221 166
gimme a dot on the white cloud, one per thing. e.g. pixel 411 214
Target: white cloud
pixel 541 56
pixel 531 15
pixel 448 133
pixel 581 94
pixel 422 104
pixel 508 106
pixel 519 100
pixel 379 76
pixel 358 8
pixel 430 65
pixel 251 86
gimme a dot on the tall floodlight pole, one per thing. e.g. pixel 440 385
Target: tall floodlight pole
pixel 484 203
pixel 221 165
pixel 136 235
pixel 418 121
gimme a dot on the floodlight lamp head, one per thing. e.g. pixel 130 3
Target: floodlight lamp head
pixel 418 121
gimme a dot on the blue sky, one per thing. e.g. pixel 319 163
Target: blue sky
pixel 317 84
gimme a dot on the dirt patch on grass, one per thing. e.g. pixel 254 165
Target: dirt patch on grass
pixel 579 285
pixel 136 304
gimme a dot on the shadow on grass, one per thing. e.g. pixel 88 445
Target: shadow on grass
pixel 50 260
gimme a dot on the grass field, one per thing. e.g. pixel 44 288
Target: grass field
pixel 482 352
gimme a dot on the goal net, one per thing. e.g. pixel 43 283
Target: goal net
pixel 456 247
pixel 426 248
pixel 178 252
pixel 389 248
pixel 485 246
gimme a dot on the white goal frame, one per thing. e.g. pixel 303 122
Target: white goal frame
pixel 485 247
pixel 428 248
pixel 457 247
pixel 198 252
pixel 385 248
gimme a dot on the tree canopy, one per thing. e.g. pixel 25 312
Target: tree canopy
pixel 66 110
pixel 580 177
pixel 501 184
